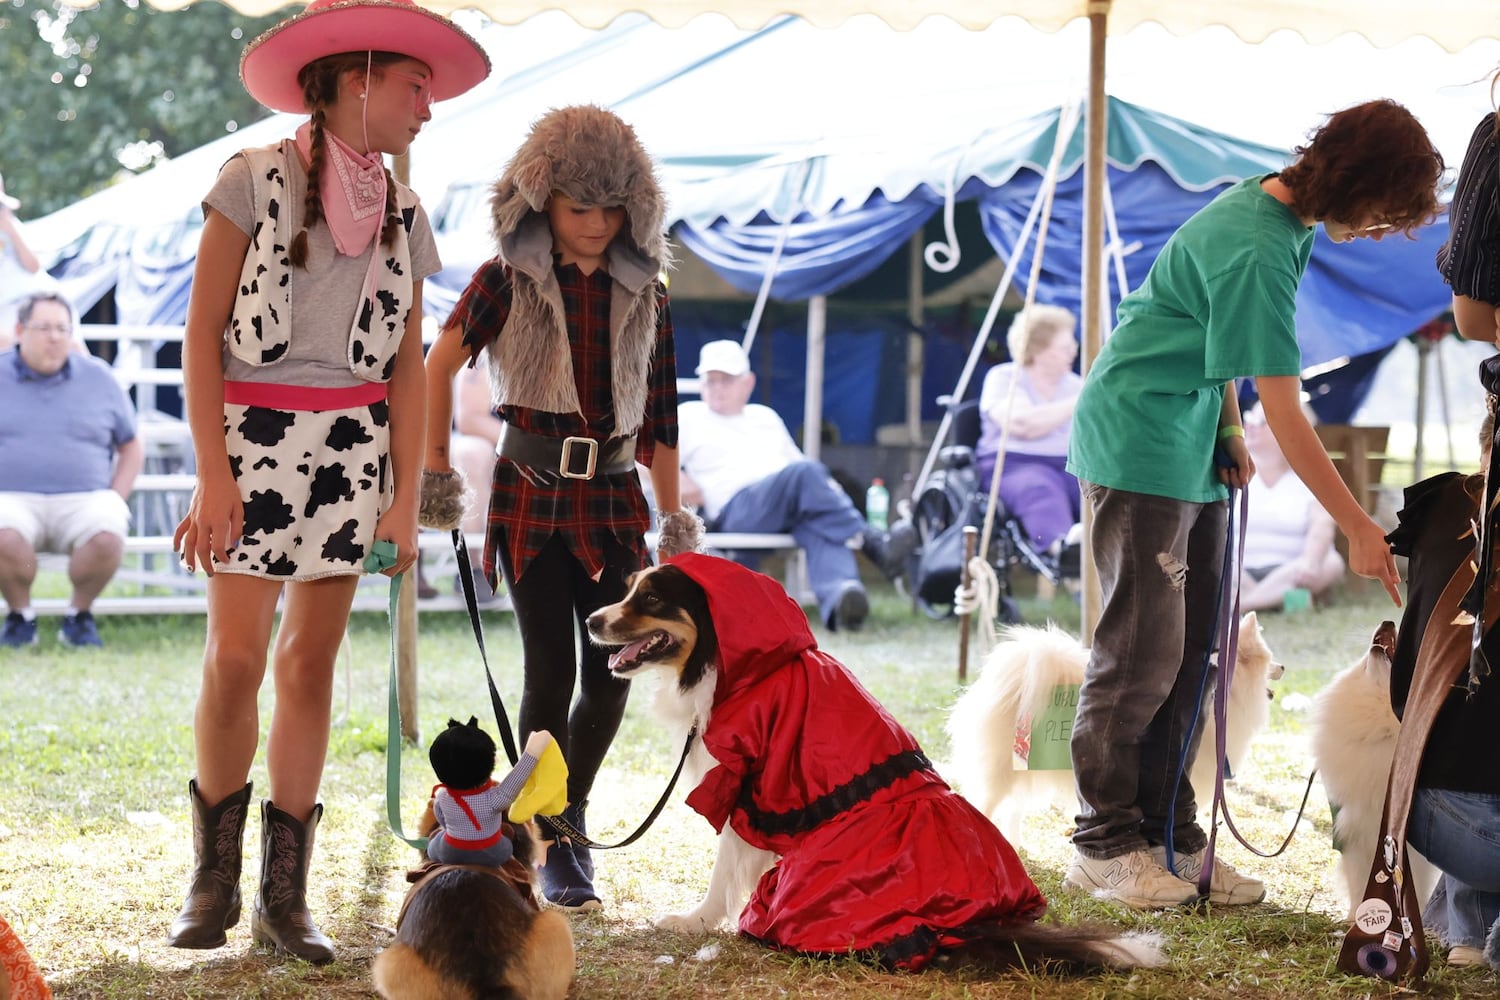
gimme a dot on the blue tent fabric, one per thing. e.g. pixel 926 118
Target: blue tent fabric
pixel 1354 300
pixel 855 207
pixel 820 256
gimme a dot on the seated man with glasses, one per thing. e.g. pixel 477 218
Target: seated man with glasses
pixel 69 455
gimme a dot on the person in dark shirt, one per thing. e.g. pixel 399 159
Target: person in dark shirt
pixel 1455 811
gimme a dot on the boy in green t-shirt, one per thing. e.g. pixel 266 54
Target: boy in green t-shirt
pixel 1218 304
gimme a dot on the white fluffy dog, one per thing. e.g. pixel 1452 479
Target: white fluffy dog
pixel 1353 734
pixel 1017 682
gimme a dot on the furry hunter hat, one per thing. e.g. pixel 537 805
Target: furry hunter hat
pixel 589 154
pixel 272 61
pixel 463 755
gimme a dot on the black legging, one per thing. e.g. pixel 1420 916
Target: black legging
pixel 547 621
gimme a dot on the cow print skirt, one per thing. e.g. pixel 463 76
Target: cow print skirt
pixel 313 482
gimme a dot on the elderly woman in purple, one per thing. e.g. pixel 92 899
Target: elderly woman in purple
pixel 1033 481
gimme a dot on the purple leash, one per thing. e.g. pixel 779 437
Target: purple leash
pixel 1229 632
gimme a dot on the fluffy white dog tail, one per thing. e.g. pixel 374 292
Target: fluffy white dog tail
pixel 1016 682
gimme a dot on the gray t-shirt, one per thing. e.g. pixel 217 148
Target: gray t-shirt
pixel 324 296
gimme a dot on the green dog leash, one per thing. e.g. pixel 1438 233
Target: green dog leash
pixel 382 557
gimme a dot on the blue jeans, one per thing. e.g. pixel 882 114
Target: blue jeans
pixel 1460 833
pixel 803 501
pixel 1159 561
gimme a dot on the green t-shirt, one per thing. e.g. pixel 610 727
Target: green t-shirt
pixel 1219 303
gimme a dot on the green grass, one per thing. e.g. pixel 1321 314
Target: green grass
pixel 95 844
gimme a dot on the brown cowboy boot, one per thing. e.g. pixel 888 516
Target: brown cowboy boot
pixel 213 897
pixel 280 919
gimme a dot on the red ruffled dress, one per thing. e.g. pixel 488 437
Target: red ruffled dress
pixel 877 852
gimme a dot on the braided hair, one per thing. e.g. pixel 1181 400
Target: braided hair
pixel 320 90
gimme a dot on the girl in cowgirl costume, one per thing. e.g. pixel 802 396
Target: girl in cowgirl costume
pixel 303 370
pixel 571 322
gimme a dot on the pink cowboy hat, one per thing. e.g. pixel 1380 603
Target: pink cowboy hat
pixel 270 64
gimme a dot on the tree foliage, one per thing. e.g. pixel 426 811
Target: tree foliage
pixel 97 92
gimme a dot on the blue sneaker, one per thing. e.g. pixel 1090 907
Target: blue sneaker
pixel 18 631
pixel 78 630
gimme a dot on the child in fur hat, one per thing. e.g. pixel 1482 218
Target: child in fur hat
pixel 571 322
pixel 472 808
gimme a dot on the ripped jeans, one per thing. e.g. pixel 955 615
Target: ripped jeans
pixel 1159 562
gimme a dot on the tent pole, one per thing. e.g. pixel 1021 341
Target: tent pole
pixel 1095 139
pixel 1419 453
pixel 812 401
pixel 915 317
pixel 1442 385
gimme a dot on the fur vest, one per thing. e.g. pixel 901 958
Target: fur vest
pixel 530 362
pixel 592 156
pixel 260 324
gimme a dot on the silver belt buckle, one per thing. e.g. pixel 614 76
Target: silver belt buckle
pixel 564 464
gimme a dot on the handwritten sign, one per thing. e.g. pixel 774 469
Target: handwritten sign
pixel 1052 731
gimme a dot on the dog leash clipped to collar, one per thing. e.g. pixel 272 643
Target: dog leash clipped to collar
pixel 1221 696
pixel 1229 634
pixel 466 579
pixel 383 556
pixel 563 828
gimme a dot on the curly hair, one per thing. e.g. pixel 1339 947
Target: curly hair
pixel 320 89
pixel 1371 161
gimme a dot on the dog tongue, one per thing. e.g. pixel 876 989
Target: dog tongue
pixel 629 653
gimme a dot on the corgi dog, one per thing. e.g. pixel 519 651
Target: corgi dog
pixel 990 726
pixel 475 932
pixel 832 821
pixel 1353 735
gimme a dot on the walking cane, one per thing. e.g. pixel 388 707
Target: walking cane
pixel 971 544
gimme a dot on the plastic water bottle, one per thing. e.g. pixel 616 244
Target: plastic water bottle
pixel 878 505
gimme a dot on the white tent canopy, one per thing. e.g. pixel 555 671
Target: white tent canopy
pixel 1453 24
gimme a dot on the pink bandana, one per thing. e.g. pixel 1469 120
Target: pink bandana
pixel 352 188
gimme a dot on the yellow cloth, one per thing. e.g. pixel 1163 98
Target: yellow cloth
pixel 546 791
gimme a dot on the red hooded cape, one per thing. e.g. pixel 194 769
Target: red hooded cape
pixel 877 852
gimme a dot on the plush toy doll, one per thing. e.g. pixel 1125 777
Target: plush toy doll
pixel 472 808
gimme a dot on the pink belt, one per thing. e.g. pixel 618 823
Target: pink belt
pixel 275 396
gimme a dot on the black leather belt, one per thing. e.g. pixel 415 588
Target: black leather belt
pixel 570 457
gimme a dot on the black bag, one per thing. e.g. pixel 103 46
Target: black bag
pixel 940 563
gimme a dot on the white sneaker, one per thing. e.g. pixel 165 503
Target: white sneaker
pixel 1226 887
pixel 1461 955
pixel 1135 879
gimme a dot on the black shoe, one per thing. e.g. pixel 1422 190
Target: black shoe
pixel 850 609
pixel 564 884
pixel 889 550
pixel 573 816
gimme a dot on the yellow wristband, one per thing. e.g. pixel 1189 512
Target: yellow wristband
pixel 1231 431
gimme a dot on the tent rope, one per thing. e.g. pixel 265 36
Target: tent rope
pixel 943 255
pixel 764 292
pixel 1064 134
pixel 980 339
pixel 981 595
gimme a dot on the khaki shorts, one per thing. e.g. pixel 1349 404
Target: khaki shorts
pixel 59 522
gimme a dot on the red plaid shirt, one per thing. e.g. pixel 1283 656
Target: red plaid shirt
pixel 583 512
